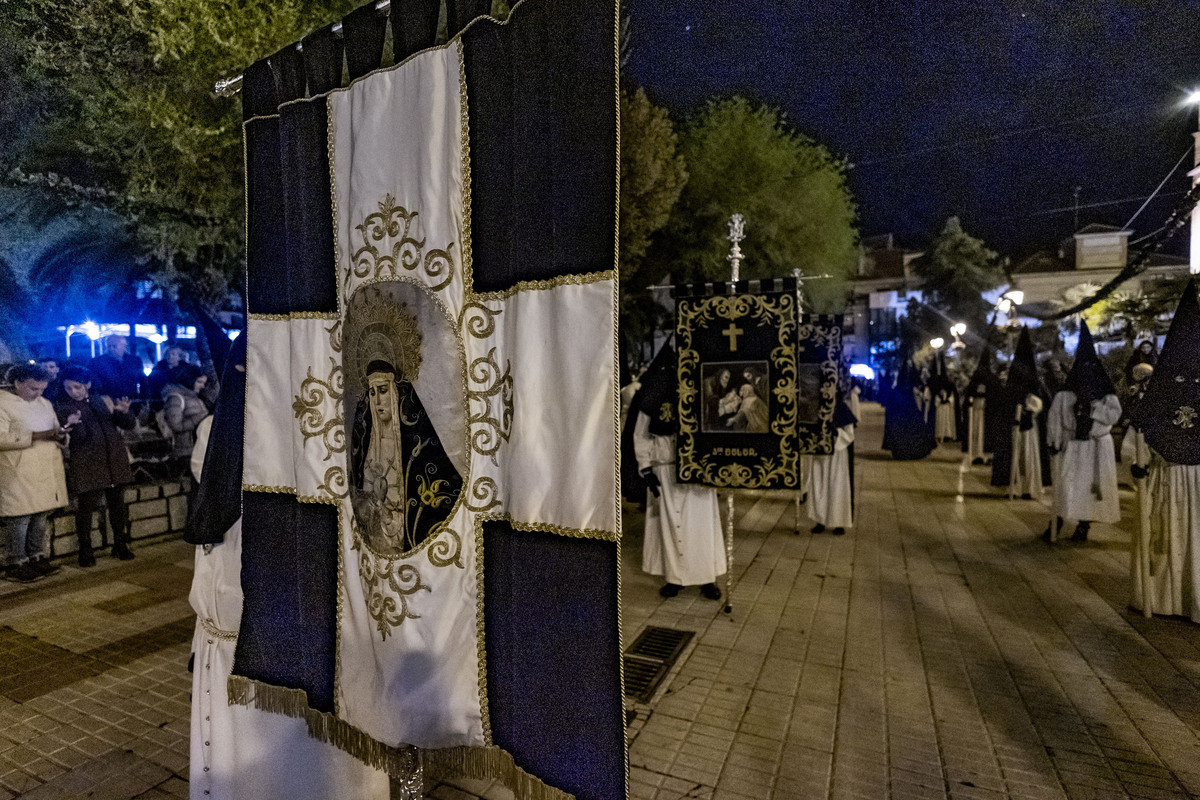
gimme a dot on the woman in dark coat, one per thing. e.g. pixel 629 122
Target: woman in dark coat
pixel 98 464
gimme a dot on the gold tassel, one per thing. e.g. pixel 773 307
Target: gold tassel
pixel 480 763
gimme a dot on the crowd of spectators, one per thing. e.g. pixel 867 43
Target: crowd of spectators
pixel 66 431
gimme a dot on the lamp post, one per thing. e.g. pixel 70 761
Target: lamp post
pixel 1194 249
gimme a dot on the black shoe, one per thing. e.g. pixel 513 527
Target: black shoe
pixel 1027 496
pixel 839 531
pixel 709 591
pixel 23 573
pixel 818 528
pixel 1046 534
pixel 123 553
pixel 43 566
pixel 87 558
pixel 977 462
pixel 1081 532
pixel 670 589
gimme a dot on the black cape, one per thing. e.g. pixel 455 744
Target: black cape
pixel 659 385
pixel 906 433
pixel 1169 414
pixel 1022 381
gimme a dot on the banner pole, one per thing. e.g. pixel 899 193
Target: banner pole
pixel 736 234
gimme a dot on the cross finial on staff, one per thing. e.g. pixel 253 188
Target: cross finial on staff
pixel 736 228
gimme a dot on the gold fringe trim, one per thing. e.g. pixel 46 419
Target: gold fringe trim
pixel 480 763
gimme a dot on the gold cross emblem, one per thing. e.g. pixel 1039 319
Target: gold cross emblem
pixel 1185 417
pixel 733 332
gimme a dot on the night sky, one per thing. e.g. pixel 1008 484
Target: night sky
pixel 991 111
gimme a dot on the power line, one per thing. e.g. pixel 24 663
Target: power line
pixel 1164 181
pixel 995 136
pixel 1146 197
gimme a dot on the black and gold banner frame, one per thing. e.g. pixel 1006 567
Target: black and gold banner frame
pixel 818 355
pixel 737 423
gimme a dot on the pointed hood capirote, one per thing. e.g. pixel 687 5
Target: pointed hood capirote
pixel 659 396
pixel 1087 377
pixel 983 376
pixel 1169 414
pixel 1022 372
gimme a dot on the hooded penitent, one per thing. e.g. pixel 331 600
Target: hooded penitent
pixel 1088 381
pixel 658 398
pixel 1022 377
pixel 1022 382
pixel 218 500
pixel 660 371
pixel 1167 415
pixel 906 432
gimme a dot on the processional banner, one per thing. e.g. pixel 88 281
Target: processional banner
pixel 757 384
pixel 431 404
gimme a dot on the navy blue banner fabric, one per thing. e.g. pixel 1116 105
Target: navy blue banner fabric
pixel 289 580
pixel 323 61
pixel 542 120
pixel 266 274
pixel 414 26
pixel 308 206
pixel 543 143
pixel 365 30
pixel 553 658
pixel 461 12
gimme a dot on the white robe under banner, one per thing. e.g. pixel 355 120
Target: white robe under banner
pixel 1174 496
pixel 1085 472
pixel 237 751
pixel 830 501
pixel 683 541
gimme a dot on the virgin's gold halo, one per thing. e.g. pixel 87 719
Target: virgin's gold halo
pixel 379 329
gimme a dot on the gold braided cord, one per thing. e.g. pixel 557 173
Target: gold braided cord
pixel 581 279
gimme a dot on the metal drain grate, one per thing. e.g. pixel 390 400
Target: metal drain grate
pixel 650 658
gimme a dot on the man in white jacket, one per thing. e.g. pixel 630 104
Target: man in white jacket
pixel 1079 433
pixel 32 480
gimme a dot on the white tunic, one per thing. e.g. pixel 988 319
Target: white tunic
pixel 975 429
pixel 238 751
pixel 1085 479
pixel 945 424
pixel 1025 473
pixel 1174 497
pixel 830 499
pixel 683 541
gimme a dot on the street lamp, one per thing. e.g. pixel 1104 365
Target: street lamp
pixel 1193 99
pixel 937 343
pixel 959 328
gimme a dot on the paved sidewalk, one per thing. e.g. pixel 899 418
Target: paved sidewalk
pixel 939 649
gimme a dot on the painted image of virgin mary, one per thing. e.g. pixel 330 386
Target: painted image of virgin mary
pixel 402 483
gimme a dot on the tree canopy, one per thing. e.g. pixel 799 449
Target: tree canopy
pixel 792 192
pixel 955 272
pixel 116 104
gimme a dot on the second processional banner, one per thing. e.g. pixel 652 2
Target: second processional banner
pixel 757 385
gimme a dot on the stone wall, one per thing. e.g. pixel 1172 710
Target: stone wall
pixel 154 509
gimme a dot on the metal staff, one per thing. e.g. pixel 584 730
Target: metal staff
pixel 1144 509
pixel 736 234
